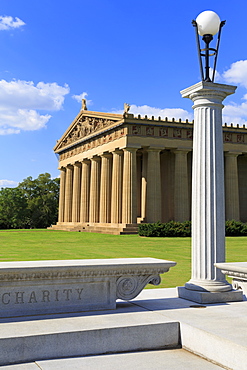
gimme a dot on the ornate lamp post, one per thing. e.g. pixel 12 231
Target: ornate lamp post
pixel 207 283
pixel 207 24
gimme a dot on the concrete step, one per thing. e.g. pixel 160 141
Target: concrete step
pixel 214 331
pixel 31 339
pixel 150 360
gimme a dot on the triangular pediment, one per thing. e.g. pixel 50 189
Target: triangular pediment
pixel 86 124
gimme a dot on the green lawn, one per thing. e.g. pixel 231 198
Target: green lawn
pixel 21 245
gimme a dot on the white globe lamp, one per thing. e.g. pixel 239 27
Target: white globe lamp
pixel 208 23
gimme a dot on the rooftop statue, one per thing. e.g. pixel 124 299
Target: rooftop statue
pixel 84 104
pixel 126 108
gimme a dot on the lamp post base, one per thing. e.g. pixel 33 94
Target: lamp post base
pixel 204 297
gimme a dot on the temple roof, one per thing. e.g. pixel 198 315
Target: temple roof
pixel 86 125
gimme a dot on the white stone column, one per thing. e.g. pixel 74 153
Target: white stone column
pixel 105 188
pixel 94 190
pixel 153 200
pixel 76 192
pixel 138 185
pixel 85 190
pixel 68 194
pixel 208 208
pixel 62 195
pixel 181 191
pixel 167 160
pixel 144 186
pixel 231 186
pixel 129 212
pixel 117 181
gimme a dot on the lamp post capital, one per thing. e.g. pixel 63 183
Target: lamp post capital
pixel 209 88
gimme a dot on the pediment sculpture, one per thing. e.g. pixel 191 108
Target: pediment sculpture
pixel 84 127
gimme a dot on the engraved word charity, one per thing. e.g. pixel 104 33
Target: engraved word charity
pixel 41 295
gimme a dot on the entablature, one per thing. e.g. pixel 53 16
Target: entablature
pixel 92 129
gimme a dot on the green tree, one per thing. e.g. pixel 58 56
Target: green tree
pixel 42 196
pixel 13 209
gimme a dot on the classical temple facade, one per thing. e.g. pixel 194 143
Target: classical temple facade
pixel 120 170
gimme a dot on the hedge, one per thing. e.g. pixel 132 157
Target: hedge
pixel 236 228
pixel 183 229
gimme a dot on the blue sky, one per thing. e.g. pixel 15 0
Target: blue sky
pixel 53 53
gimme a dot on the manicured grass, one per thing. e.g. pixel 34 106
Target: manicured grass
pixel 21 245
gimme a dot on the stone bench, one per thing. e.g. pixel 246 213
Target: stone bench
pixel 44 287
pixel 237 271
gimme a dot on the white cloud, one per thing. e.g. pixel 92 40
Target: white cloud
pixel 8 184
pixel 233 112
pixel 8 131
pixel 25 95
pixel 20 102
pixel 236 113
pixel 237 73
pixel 79 98
pixel 8 22
pixel 145 110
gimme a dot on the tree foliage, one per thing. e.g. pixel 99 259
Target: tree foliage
pixel 13 209
pixel 33 204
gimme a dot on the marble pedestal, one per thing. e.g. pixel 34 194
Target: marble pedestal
pixel 209 297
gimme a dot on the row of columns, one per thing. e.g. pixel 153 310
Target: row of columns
pixel 104 189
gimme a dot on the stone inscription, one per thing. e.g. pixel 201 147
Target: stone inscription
pixel 19 297
pixel 47 298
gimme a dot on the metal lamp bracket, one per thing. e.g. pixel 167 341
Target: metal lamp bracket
pixel 207 53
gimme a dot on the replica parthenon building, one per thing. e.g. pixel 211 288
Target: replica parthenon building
pixel 120 170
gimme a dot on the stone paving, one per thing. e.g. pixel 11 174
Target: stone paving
pixel 216 332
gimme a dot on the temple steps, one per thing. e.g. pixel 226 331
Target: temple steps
pixel 128 229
